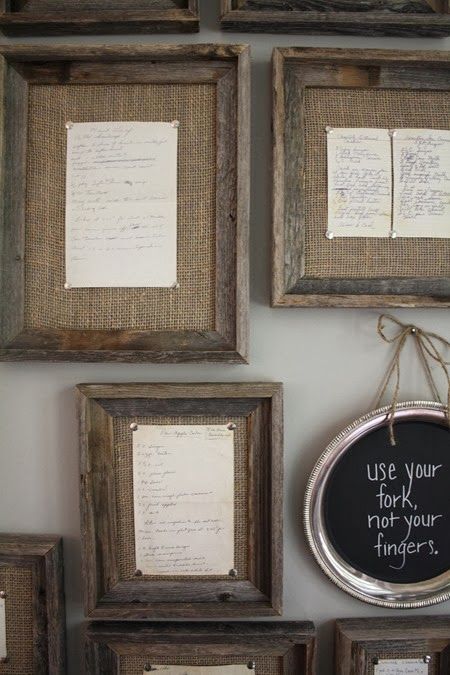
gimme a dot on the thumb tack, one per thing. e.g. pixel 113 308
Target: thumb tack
pixel 427 658
pixel 329 130
pixel 393 234
pixel 3 595
pixel 148 668
pixel 231 426
pixel 134 426
pixel 67 286
pixel 69 124
pixel 138 573
pixel 175 285
pixel 233 573
pixel 329 234
pixel 251 665
pixel 175 124
pixel 375 661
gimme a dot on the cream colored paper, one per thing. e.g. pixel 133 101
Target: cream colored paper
pixel 401 667
pixel 422 183
pixel 184 499
pixel 201 670
pixel 3 650
pixel 359 182
pixel 121 204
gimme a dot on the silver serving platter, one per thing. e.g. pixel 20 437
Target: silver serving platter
pixel 354 582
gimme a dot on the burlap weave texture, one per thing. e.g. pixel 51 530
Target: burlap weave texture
pixel 123 474
pixel 269 665
pixel 47 303
pixel 358 257
pixel 17 584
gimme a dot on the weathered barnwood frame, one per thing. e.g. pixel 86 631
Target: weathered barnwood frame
pixel 294 70
pixel 360 642
pixel 108 597
pixel 292 643
pixel 227 67
pixel 47 17
pixel 43 555
pixel 349 17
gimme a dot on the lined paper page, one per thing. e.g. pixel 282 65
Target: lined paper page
pixel 401 667
pixel 3 650
pixel 184 499
pixel 359 182
pixel 422 183
pixel 121 204
pixel 202 670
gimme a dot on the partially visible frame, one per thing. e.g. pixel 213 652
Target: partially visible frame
pixel 298 75
pixel 32 69
pixel 361 643
pixel 286 647
pixel 262 16
pixel 107 594
pixel 47 17
pixel 354 581
pixel 41 558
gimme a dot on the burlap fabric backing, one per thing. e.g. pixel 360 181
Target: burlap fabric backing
pixel 123 473
pixel 359 257
pixel 269 665
pixel 17 584
pixel 47 304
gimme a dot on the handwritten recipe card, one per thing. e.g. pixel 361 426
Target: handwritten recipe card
pixel 364 200
pixel 3 650
pixel 121 204
pixel 183 480
pixel 202 670
pixel 401 667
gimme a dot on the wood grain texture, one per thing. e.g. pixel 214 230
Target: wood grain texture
pixel 295 69
pixel 366 17
pixel 44 17
pixel 292 642
pixel 228 68
pixel 359 641
pixel 44 556
pixel 108 597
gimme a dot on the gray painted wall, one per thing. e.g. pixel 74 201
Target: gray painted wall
pixel 330 361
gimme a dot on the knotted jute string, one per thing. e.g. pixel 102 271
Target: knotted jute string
pixel 429 348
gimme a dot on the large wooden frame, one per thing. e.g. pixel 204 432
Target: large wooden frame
pixel 43 555
pixel 291 642
pixel 108 597
pixel 279 17
pixel 158 17
pixel 294 71
pixel 360 642
pixel 227 67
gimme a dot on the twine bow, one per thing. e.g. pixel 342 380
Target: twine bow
pixel 429 348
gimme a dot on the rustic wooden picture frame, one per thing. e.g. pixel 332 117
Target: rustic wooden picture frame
pixel 259 591
pixel 296 73
pixel 292 644
pixel 43 557
pixel 44 17
pixel 226 69
pixel 276 17
pixel 360 642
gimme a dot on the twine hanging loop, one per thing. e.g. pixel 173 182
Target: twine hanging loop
pixel 430 348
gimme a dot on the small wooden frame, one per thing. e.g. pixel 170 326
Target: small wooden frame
pixel 112 593
pixel 419 17
pixel 360 642
pixel 281 647
pixel 50 17
pixel 206 317
pixel 348 87
pixel 31 575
